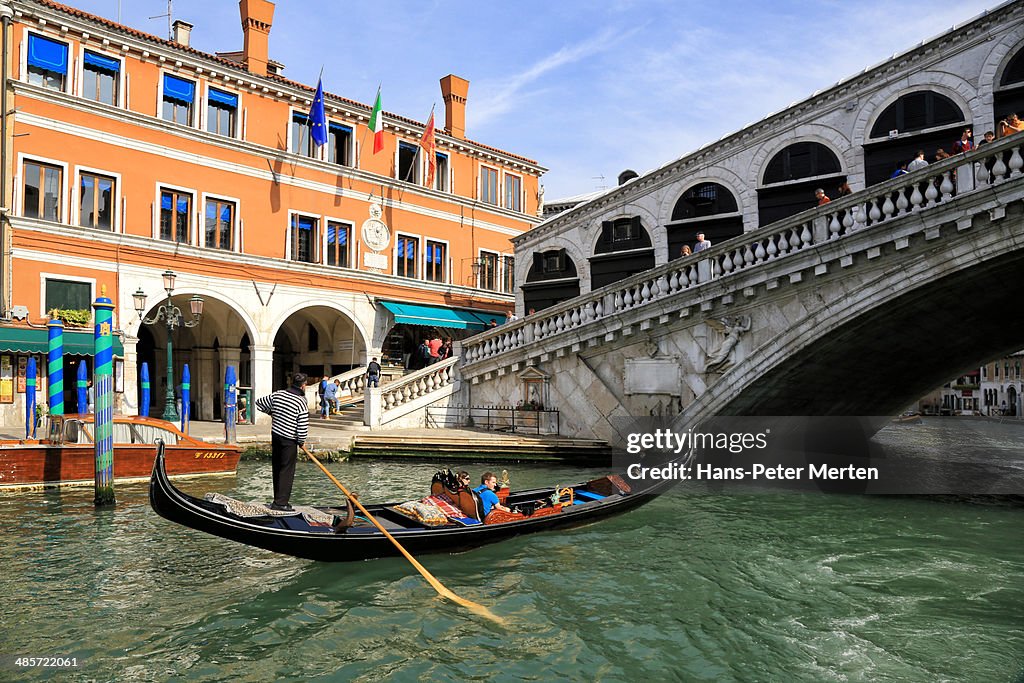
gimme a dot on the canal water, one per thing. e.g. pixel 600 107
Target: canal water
pixel 692 587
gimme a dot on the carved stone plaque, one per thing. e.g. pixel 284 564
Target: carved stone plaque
pixel 652 376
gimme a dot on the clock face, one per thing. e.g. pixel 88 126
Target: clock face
pixel 375 234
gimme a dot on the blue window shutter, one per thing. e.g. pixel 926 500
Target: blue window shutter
pixel 165 201
pixel 102 62
pixel 47 54
pixel 226 98
pixel 225 214
pixel 182 205
pixel 343 235
pixel 178 89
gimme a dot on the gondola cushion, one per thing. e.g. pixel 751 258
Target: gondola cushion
pixel 431 515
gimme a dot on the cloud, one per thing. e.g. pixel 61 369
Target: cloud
pixel 497 97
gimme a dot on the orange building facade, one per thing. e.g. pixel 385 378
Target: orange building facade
pixel 127 155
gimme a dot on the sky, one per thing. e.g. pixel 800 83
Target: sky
pixel 587 88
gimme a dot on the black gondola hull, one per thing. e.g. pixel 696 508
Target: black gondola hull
pixel 365 543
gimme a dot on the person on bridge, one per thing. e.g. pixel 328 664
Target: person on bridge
pixel 289 413
pixel 685 251
pixel 822 198
pixel 701 244
pixel 1010 125
pixel 373 373
pixel 965 143
pixel 919 162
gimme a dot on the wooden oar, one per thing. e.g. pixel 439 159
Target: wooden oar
pixel 437 585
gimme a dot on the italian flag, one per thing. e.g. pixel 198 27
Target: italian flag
pixel 377 125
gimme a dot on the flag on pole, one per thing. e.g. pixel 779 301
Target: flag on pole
pixel 317 117
pixel 377 125
pixel 429 145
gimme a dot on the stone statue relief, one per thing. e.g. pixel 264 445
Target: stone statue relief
pixel 733 327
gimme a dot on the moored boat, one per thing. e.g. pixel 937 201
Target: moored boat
pixel 320 532
pixel 66 457
pixel 909 417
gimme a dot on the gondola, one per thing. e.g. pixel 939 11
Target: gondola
pixel 327 537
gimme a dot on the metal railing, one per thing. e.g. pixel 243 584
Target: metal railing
pixel 498 419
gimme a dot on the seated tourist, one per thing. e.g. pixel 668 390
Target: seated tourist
pixel 463 479
pixel 489 482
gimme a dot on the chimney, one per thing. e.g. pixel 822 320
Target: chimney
pixel 257 16
pixel 182 31
pixel 454 91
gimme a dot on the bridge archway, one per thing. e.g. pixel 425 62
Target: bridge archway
pixel 708 207
pixel 624 247
pixel 791 177
pixel 923 119
pixel 551 279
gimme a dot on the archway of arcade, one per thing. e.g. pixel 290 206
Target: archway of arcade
pixel 319 341
pixel 923 120
pixel 552 278
pixel 792 176
pixel 1008 97
pixel 708 208
pixel 220 339
pixel 623 248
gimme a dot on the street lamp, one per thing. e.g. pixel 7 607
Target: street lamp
pixel 172 317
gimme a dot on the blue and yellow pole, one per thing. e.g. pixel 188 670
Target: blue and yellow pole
pixel 103 385
pixel 55 365
pixel 30 398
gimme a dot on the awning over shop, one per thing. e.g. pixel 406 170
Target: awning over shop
pixel 32 340
pixel 438 316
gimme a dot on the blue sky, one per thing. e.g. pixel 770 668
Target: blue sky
pixel 587 88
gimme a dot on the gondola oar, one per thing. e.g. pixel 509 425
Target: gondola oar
pixel 435 584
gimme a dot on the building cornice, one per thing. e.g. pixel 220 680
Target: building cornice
pixel 65 19
pixel 820 103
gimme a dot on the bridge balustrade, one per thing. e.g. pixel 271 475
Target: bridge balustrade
pixel 893 199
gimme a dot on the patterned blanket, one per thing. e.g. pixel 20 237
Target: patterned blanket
pixel 254 509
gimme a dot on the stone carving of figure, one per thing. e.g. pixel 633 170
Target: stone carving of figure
pixel 733 327
pixel 540 200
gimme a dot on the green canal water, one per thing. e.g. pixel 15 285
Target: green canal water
pixel 692 587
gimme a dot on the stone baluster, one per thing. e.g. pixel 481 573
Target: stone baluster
pixel 599 307
pixel 946 187
pixel 693 275
pixel 888 208
pixel 794 239
pixel 726 263
pixel 575 317
pixel 783 244
pixel 1016 162
pixel 916 198
pixel 999 168
pixel 981 172
pixel 806 237
pixel 901 201
pixel 772 249
pixel 931 193
pixel 834 227
pixel 759 252
pixel 748 255
pixel 874 213
pixel 627 299
pixel 645 293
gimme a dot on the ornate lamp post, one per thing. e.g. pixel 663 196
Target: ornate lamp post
pixel 172 317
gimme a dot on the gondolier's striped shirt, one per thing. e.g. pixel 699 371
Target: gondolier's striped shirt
pixel 289 412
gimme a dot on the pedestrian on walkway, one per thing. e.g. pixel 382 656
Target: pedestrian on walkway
pixel 373 373
pixel 289 413
pixel 701 244
pixel 330 400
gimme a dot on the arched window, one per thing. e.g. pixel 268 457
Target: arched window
pixel 552 279
pixel 786 192
pixel 709 208
pixel 706 199
pixel 917 111
pixel 801 160
pixel 1009 96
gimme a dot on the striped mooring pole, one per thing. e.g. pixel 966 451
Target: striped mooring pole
pixel 103 386
pixel 55 365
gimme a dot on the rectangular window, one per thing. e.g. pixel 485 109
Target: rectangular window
pixel 488 267
pixel 339 239
pixel 221 111
pixel 303 239
pixel 68 294
pixel 100 78
pixel 42 191
pixel 508 277
pixel 488 185
pixel 302 143
pixel 175 216
pixel 408 168
pixel 96 208
pixel 47 62
pixel 219 224
pixel 408 249
pixel 437 260
pixel 339 144
pixel 441 173
pixel 513 192
pixel 178 97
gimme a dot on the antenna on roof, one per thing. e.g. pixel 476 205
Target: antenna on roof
pixel 601 185
pixel 169 15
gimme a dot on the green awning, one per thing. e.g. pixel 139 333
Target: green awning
pixel 32 340
pixel 437 316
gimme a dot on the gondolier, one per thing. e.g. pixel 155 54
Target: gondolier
pixel 289 415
